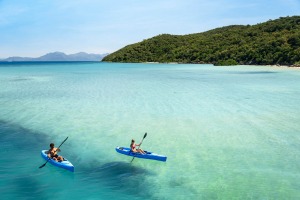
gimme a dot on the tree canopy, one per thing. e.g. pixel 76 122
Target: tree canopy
pixel 269 43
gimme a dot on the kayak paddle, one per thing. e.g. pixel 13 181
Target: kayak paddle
pixel 140 145
pixel 50 158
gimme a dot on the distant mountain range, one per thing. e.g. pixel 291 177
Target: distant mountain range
pixel 58 56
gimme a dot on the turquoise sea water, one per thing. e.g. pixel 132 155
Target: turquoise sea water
pixel 228 132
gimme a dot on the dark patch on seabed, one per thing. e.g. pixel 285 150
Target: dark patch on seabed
pixel 19 79
pixel 123 177
pixel 20 176
pixel 28 187
pixel 253 72
pixel 13 137
pixel 20 151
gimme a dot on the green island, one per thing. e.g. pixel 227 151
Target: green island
pixel 275 42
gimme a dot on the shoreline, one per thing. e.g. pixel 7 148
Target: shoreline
pixel 282 66
pixel 171 63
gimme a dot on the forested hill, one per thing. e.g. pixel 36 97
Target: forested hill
pixel 269 43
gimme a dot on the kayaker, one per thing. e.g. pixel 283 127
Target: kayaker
pixel 52 153
pixel 134 149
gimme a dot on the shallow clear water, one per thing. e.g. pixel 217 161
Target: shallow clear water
pixel 228 132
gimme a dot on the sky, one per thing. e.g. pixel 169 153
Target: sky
pixel 32 28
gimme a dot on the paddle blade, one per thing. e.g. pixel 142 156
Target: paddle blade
pixel 42 165
pixel 145 135
pixel 132 160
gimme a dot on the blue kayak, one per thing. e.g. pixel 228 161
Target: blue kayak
pixel 64 164
pixel 148 155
